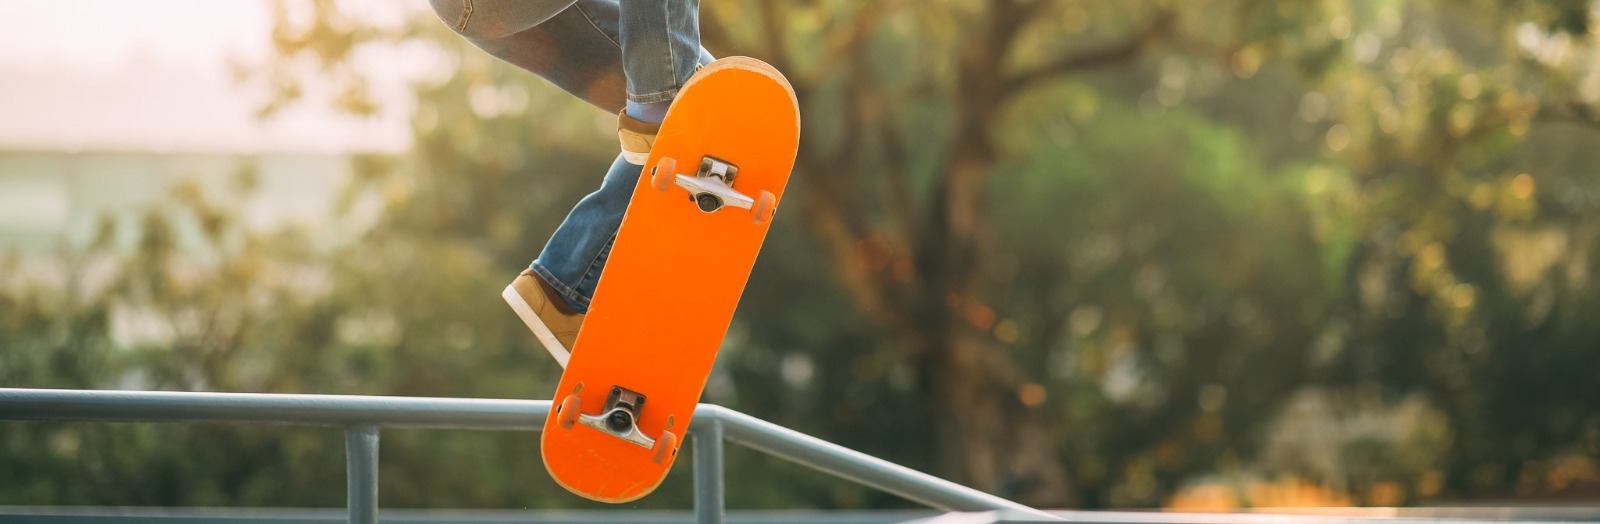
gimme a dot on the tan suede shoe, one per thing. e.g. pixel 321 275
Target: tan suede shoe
pixel 637 137
pixel 553 322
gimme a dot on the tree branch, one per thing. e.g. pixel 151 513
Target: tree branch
pixel 897 177
pixel 714 34
pixel 773 34
pixel 1570 111
pixel 1160 27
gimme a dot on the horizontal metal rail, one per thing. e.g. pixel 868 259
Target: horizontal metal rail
pixel 361 416
pixel 322 410
pixel 259 515
pixel 849 464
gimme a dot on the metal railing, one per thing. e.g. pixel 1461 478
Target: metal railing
pixel 362 418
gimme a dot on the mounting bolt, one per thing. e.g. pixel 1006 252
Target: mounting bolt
pixel 620 421
pixel 708 202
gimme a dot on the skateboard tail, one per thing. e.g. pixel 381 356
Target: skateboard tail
pixel 623 494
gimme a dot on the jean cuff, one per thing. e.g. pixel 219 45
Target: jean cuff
pixel 654 98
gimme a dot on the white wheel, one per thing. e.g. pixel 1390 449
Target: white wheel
pixel 666 446
pixel 567 412
pixel 762 211
pixel 665 171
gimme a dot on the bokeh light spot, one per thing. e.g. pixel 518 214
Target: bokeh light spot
pixel 1522 186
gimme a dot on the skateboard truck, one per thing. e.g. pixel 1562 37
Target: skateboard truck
pixel 620 417
pixel 711 187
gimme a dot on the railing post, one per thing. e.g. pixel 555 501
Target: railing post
pixel 708 504
pixel 361 472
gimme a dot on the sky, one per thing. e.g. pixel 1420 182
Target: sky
pixel 152 75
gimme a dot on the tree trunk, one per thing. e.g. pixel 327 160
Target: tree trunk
pixel 920 274
pixel 986 436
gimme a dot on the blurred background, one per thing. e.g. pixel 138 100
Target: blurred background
pixel 1204 254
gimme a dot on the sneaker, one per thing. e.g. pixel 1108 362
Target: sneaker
pixel 637 136
pixel 545 312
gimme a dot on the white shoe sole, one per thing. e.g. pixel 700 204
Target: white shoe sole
pixel 637 159
pixel 541 331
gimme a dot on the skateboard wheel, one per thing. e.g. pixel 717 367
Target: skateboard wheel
pixel 665 446
pixel 567 412
pixel 661 177
pixel 762 212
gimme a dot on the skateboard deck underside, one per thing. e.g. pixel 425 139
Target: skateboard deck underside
pixel 673 279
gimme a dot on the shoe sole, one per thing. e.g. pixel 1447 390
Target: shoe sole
pixel 540 331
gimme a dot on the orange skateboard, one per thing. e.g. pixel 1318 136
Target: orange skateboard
pixel 675 273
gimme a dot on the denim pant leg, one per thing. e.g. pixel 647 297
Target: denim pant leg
pixel 571 43
pixel 573 258
pixel 587 47
pixel 580 45
pixel 660 47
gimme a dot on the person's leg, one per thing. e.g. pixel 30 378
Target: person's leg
pixel 660 43
pixel 571 261
pixel 584 49
pixel 581 49
pixel 572 44
pixel 588 47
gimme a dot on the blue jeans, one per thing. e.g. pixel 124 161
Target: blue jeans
pixel 606 52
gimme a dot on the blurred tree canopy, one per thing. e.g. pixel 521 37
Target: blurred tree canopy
pixel 1075 253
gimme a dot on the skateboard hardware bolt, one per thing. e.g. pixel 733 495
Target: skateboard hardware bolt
pixel 622 410
pixel 711 187
pixel 619 421
pixel 708 202
pixel 715 167
pixel 620 417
